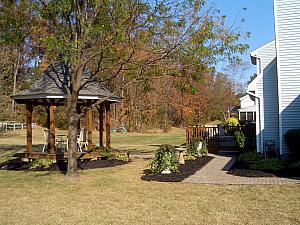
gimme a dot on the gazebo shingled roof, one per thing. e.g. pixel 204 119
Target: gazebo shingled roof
pixel 50 90
pixel 53 84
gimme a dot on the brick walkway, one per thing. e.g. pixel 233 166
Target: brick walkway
pixel 215 172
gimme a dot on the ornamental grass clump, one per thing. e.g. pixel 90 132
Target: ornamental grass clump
pixel 165 159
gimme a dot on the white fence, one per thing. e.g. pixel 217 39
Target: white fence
pixel 11 125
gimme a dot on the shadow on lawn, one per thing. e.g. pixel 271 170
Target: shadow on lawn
pixel 15 148
pixel 61 166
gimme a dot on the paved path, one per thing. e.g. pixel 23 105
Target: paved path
pixel 215 172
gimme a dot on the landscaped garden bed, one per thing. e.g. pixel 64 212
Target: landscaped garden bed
pixel 19 165
pixel 167 165
pixel 184 170
pixel 250 164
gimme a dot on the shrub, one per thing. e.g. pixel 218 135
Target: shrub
pixel 197 149
pixel 189 157
pixel 41 163
pixel 165 158
pixel 231 122
pixel 295 165
pixel 118 156
pixel 269 165
pixel 110 155
pixel 106 153
pixel 240 139
pixel 292 140
pixel 230 125
pixel 250 156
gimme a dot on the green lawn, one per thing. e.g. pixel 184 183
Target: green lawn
pixel 118 196
pixel 132 142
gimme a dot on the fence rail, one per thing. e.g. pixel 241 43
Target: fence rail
pixel 209 134
pixel 215 134
pixel 10 125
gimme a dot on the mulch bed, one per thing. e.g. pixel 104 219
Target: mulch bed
pixel 19 165
pixel 242 169
pixel 189 168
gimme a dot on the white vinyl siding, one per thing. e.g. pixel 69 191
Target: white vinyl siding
pixel 266 81
pixel 266 54
pixel 287 25
pixel 270 102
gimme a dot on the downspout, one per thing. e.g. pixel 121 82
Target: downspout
pixel 259 121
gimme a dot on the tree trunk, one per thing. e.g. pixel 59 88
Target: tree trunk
pixel 16 68
pixel 72 137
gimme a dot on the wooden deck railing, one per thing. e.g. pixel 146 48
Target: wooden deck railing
pixel 209 134
pixel 212 134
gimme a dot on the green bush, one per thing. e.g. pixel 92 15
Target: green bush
pixel 165 158
pixel 118 156
pixel 110 155
pixel 106 152
pixel 292 140
pixel 240 139
pixel 295 165
pixel 194 148
pixel 269 165
pixel 41 163
pixel 189 157
pixel 250 156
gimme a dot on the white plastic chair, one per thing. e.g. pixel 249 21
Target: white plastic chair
pixel 80 141
pixel 46 138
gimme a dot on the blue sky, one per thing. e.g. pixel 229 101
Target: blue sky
pixel 259 20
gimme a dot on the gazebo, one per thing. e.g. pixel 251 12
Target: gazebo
pixel 51 91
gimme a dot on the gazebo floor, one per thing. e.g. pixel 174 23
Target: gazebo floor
pixel 59 155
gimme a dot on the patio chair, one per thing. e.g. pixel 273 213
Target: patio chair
pixel 81 141
pixel 46 138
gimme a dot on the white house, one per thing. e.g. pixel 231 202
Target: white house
pixel 247 112
pixel 276 89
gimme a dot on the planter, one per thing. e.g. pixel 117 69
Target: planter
pixel 199 148
pixel 166 171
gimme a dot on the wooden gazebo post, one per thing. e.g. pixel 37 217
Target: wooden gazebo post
pixel 52 129
pixel 29 109
pixel 107 124
pixel 101 111
pixel 89 120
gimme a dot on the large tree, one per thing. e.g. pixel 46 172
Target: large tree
pixel 128 41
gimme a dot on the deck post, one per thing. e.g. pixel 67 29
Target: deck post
pixel 52 129
pixel 29 109
pixel 100 111
pixel 89 119
pixel 107 124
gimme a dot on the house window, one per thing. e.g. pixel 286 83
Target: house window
pixel 243 116
pixel 250 116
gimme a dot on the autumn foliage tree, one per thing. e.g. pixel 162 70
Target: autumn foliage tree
pixel 126 42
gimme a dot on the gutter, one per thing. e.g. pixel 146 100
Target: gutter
pixel 259 118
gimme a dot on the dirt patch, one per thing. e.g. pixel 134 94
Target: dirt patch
pixel 19 165
pixel 189 168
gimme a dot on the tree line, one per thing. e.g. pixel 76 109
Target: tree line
pixel 159 55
